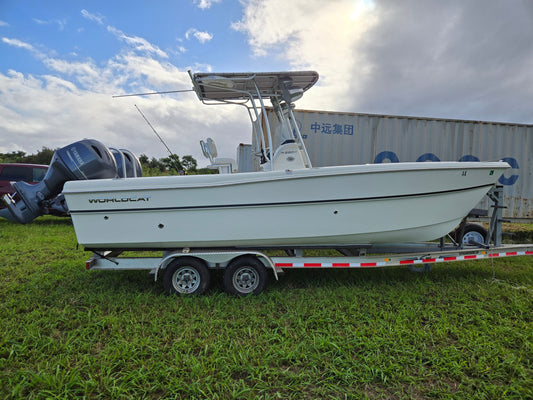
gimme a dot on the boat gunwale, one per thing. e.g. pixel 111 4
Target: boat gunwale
pixel 207 181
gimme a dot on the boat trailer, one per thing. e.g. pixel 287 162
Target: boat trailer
pixel 187 271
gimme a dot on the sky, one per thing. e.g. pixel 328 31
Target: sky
pixel 61 63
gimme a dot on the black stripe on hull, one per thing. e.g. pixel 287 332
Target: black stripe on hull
pixel 288 203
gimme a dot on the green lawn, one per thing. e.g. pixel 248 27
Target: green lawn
pixel 463 331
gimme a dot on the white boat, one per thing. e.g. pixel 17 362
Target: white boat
pixel 287 202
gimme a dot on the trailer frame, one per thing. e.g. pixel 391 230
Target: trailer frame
pixel 227 260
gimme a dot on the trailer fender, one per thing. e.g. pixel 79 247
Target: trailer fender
pixel 222 258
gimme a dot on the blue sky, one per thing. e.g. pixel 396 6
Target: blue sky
pixel 61 61
pixel 79 29
pixel 187 33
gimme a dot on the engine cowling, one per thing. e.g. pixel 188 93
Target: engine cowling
pixel 85 159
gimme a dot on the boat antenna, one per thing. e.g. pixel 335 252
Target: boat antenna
pixel 150 93
pixel 160 138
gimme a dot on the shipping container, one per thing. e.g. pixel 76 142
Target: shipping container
pixel 334 138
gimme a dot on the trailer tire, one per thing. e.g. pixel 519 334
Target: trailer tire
pixel 474 232
pixel 186 276
pixel 245 275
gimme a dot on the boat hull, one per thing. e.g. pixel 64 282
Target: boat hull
pixel 376 203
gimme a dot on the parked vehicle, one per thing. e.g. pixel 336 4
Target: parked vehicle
pixel 16 172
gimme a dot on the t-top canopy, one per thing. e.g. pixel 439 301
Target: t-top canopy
pixel 246 85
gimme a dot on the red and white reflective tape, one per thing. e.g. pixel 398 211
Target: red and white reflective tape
pixel 468 257
pixel 512 253
pixel 444 259
pixel 331 265
pixel 390 262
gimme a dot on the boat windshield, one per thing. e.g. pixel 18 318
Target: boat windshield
pixel 251 90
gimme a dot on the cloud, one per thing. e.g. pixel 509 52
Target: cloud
pixel 3 23
pixel 442 59
pixel 139 43
pixel 18 43
pixel 74 101
pixel 93 17
pixel 312 34
pixel 202 37
pixel 85 74
pixel 432 58
pixel 51 111
pixel 152 73
pixel 60 22
pixel 24 45
pixel 472 65
pixel 205 4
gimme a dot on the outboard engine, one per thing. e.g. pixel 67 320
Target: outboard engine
pixel 128 165
pixel 86 159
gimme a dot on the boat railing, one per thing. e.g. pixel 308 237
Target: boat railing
pixel 251 97
pixel 253 109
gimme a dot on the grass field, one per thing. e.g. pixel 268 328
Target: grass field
pixel 463 331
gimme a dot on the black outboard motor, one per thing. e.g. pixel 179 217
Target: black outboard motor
pixel 86 159
pixel 128 165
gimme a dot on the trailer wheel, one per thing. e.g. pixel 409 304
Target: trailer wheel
pixel 245 275
pixel 186 275
pixel 475 233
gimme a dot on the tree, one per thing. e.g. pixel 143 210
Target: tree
pixel 13 157
pixel 151 167
pixel 143 159
pixel 189 163
pixel 43 156
pixel 157 164
pixel 172 162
